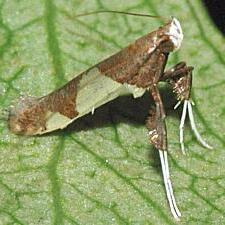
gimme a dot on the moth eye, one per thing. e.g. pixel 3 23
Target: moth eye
pixel 178 31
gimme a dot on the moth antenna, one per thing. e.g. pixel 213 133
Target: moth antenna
pixel 121 12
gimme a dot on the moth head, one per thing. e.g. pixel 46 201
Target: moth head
pixel 26 116
pixel 171 36
pixel 175 33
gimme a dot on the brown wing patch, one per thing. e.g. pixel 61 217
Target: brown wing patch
pixel 29 115
pixel 63 100
pixel 136 64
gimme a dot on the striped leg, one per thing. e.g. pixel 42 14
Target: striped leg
pixel 180 78
pixel 158 137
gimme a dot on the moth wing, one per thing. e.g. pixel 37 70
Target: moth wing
pixel 93 90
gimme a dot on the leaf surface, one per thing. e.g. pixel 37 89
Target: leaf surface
pixel 101 169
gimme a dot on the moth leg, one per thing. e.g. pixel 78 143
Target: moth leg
pixel 158 137
pixel 180 78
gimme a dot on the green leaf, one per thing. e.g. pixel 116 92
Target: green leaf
pixel 102 170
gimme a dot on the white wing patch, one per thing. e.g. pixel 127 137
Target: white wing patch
pixel 134 90
pixel 56 121
pixel 95 90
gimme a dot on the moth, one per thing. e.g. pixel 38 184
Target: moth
pixel 136 69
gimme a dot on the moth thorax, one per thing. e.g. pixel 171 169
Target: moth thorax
pixel 175 33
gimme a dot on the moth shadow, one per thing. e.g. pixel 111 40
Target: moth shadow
pixel 126 110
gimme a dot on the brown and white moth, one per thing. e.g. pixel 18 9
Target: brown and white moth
pixel 134 70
